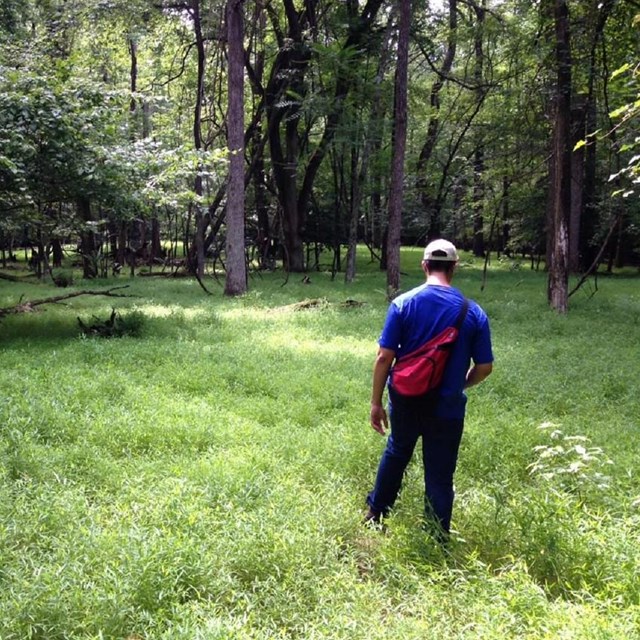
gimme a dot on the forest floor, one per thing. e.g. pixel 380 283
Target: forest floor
pixel 206 477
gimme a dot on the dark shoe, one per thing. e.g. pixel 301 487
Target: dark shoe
pixel 373 520
pixel 372 517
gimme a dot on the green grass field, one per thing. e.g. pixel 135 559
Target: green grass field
pixel 206 480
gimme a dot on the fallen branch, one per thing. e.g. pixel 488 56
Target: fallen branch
pixel 29 305
pixel 12 278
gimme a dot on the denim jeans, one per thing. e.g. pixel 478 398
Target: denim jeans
pixel 412 418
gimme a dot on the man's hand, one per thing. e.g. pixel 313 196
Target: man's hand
pixel 383 363
pixel 378 418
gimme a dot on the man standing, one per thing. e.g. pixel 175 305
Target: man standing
pixel 414 318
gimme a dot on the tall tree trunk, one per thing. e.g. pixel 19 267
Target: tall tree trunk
pixel 236 281
pixel 196 253
pixel 133 85
pixel 561 178
pixel 399 143
pixel 577 186
pixel 257 142
pixel 354 214
pixel 478 159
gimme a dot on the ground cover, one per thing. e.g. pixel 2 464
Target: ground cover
pixel 206 479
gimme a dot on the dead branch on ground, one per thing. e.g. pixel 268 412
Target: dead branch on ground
pixel 30 305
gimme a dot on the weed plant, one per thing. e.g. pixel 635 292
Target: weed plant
pixel 206 479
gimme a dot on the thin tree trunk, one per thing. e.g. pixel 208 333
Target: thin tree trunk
pixel 236 281
pixel 577 186
pixel 478 159
pixel 87 240
pixel 399 143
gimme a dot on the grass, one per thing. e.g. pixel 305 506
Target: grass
pixel 206 479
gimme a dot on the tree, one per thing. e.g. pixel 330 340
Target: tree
pixel 560 200
pixel 399 143
pixel 236 282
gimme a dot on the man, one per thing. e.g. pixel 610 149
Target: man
pixel 413 319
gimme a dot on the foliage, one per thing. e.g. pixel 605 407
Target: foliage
pixel 570 462
pixel 625 116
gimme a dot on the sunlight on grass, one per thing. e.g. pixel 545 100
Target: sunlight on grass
pixel 166 311
pixel 310 345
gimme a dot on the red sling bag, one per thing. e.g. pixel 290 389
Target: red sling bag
pixel 418 372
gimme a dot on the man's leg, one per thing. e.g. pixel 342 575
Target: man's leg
pixel 405 417
pixel 440 444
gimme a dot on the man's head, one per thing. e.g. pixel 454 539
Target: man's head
pixel 440 256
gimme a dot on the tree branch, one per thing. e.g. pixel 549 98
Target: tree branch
pixel 27 307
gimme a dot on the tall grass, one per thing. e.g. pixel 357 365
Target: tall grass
pixel 206 479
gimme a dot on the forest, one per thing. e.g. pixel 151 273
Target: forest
pixel 200 136
pixel 205 206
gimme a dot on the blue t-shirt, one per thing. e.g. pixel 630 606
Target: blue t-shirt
pixel 422 313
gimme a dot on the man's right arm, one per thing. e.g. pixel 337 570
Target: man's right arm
pixel 383 363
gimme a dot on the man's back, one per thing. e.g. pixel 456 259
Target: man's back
pixel 422 313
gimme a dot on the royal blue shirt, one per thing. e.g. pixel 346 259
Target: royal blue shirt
pixel 417 316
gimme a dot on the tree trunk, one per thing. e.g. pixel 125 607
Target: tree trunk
pixel 196 254
pixel 561 178
pixel 236 281
pixel 354 214
pixel 398 150
pixel 478 160
pixel 56 248
pixel 87 241
pixel 577 187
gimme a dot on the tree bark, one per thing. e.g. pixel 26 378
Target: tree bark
pixel 87 240
pixel 236 280
pixel 398 150
pixel 577 186
pixel 478 159
pixel 561 178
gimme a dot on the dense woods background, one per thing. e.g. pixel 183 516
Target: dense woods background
pixel 160 133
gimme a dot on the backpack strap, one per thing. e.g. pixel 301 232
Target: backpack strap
pixel 462 314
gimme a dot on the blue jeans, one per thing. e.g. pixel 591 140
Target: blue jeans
pixel 412 418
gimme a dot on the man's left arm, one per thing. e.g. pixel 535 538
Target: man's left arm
pixel 477 374
pixel 482 355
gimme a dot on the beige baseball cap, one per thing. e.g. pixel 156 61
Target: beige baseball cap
pixel 441 250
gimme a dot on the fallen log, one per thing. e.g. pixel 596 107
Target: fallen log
pixel 30 305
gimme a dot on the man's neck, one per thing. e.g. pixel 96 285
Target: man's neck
pixel 439 278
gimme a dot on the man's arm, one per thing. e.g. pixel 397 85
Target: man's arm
pixel 477 374
pixel 381 367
